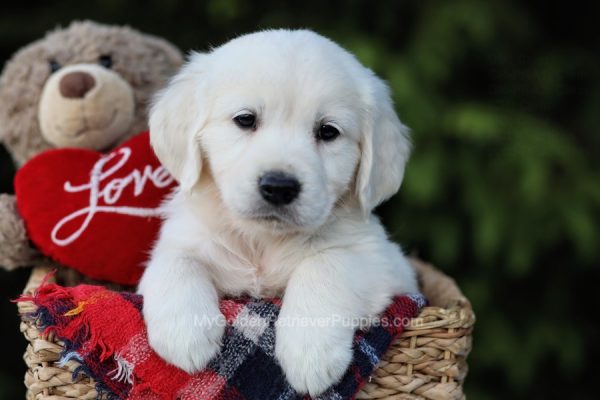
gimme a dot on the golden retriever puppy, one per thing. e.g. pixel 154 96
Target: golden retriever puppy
pixel 283 143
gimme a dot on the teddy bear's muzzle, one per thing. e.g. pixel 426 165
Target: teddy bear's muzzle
pixel 75 85
pixel 86 105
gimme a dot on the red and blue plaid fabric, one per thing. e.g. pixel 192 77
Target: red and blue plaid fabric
pixel 104 331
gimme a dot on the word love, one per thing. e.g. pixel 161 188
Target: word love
pixel 105 191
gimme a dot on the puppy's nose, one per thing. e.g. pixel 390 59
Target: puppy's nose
pixel 278 188
pixel 75 85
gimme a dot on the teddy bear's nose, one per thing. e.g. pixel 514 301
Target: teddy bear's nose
pixel 75 85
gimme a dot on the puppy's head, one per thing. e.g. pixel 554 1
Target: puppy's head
pixel 290 126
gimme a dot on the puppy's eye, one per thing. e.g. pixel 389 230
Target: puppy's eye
pixel 54 66
pixel 105 60
pixel 327 132
pixel 245 120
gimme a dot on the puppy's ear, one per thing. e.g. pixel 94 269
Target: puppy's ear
pixel 385 149
pixel 177 116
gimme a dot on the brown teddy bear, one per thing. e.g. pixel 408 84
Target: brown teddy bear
pixel 86 86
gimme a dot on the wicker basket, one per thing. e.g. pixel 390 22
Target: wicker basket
pixel 427 362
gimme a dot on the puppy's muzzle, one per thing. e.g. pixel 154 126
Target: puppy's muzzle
pixel 278 188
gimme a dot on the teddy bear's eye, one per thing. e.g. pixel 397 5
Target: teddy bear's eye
pixel 54 66
pixel 105 60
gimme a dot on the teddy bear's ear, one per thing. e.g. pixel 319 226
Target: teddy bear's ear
pixel 5 99
pixel 2 114
pixel 165 49
pixel 177 117
pixel 19 94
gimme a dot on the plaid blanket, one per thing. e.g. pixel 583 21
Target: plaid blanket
pixel 104 331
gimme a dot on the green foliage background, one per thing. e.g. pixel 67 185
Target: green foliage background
pixel 502 191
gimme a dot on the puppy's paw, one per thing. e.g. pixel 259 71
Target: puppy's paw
pixel 313 358
pixel 188 342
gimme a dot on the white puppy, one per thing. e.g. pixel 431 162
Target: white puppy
pixel 283 143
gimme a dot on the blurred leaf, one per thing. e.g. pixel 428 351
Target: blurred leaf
pixel 423 180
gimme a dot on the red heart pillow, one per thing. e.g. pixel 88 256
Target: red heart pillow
pixel 94 212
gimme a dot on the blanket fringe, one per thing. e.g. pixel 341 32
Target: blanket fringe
pixel 52 296
pixel 69 356
pixel 123 372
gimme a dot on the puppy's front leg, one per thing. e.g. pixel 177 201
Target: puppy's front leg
pixel 317 322
pixel 181 310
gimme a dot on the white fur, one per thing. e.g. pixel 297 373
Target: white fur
pixel 325 252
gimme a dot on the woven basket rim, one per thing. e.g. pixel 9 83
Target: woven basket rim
pixel 410 369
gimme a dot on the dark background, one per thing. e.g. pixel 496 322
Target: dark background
pixel 502 191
